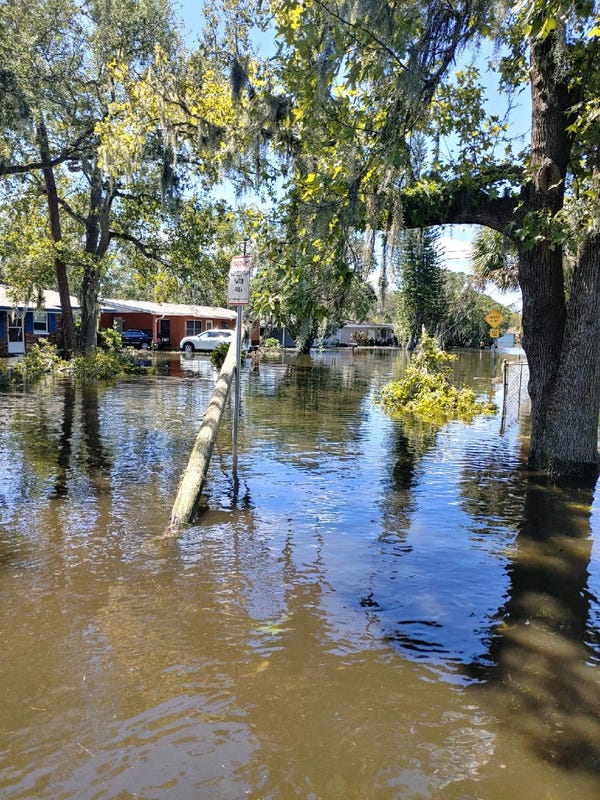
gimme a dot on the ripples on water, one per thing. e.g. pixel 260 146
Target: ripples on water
pixel 377 611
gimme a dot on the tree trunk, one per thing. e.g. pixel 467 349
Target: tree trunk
pixel 68 321
pixel 567 444
pixel 90 287
pixel 97 241
pixel 547 333
pixel 306 335
pixel 304 346
pixel 543 320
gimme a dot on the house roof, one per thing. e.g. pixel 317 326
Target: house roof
pixel 367 325
pixel 51 301
pixel 167 309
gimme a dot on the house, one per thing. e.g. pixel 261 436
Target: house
pixel 167 323
pixel 22 323
pixel 366 333
pixel 352 333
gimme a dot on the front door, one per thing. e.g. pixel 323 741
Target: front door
pixel 16 335
pixel 163 332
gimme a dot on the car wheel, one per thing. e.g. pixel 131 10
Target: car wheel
pixel 188 347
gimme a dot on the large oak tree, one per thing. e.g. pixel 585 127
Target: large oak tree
pixel 102 113
pixel 365 77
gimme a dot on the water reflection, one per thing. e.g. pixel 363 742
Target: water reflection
pixel 63 456
pixel 539 661
pixel 408 443
pixel 97 459
pixel 313 408
pixel 94 459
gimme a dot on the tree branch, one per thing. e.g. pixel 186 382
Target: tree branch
pixel 472 202
pixel 146 250
pixel 70 151
pixel 368 32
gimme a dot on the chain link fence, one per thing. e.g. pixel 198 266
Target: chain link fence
pixel 515 398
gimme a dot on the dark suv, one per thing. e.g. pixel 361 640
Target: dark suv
pixel 136 338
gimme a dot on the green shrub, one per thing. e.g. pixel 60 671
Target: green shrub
pixel 425 390
pixel 218 355
pixel 109 339
pixel 40 359
pixel 105 365
pixel 271 343
pixel 4 376
pixel 100 366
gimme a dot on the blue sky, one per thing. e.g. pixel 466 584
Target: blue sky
pixel 190 12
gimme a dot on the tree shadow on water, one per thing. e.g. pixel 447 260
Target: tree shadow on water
pixel 539 664
pixel 409 441
pixel 95 459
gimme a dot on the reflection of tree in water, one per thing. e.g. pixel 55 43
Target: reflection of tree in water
pixel 477 369
pixel 63 458
pixel 409 441
pixel 59 439
pixel 537 665
pixel 538 659
pixel 94 457
pixel 541 652
pixel 316 389
pixel 35 427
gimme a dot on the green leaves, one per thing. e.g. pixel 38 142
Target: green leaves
pixel 426 392
pixel 494 259
pixel 421 296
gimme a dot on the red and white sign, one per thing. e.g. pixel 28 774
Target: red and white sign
pixel 238 290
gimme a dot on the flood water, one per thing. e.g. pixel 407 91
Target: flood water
pixel 373 611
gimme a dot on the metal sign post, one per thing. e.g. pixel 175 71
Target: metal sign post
pixel 238 294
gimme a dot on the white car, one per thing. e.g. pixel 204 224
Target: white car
pixel 206 341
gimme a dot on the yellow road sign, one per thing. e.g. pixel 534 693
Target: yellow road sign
pixel 494 333
pixel 494 318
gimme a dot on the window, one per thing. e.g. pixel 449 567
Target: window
pixel 40 323
pixel 208 324
pixel 193 327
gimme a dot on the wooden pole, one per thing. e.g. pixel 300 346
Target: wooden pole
pixel 194 475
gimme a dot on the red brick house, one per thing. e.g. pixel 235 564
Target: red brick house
pixel 167 323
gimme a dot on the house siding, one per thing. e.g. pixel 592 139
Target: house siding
pixel 149 321
pixel 30 336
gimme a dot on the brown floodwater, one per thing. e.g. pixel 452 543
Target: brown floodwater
pixel 373 610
